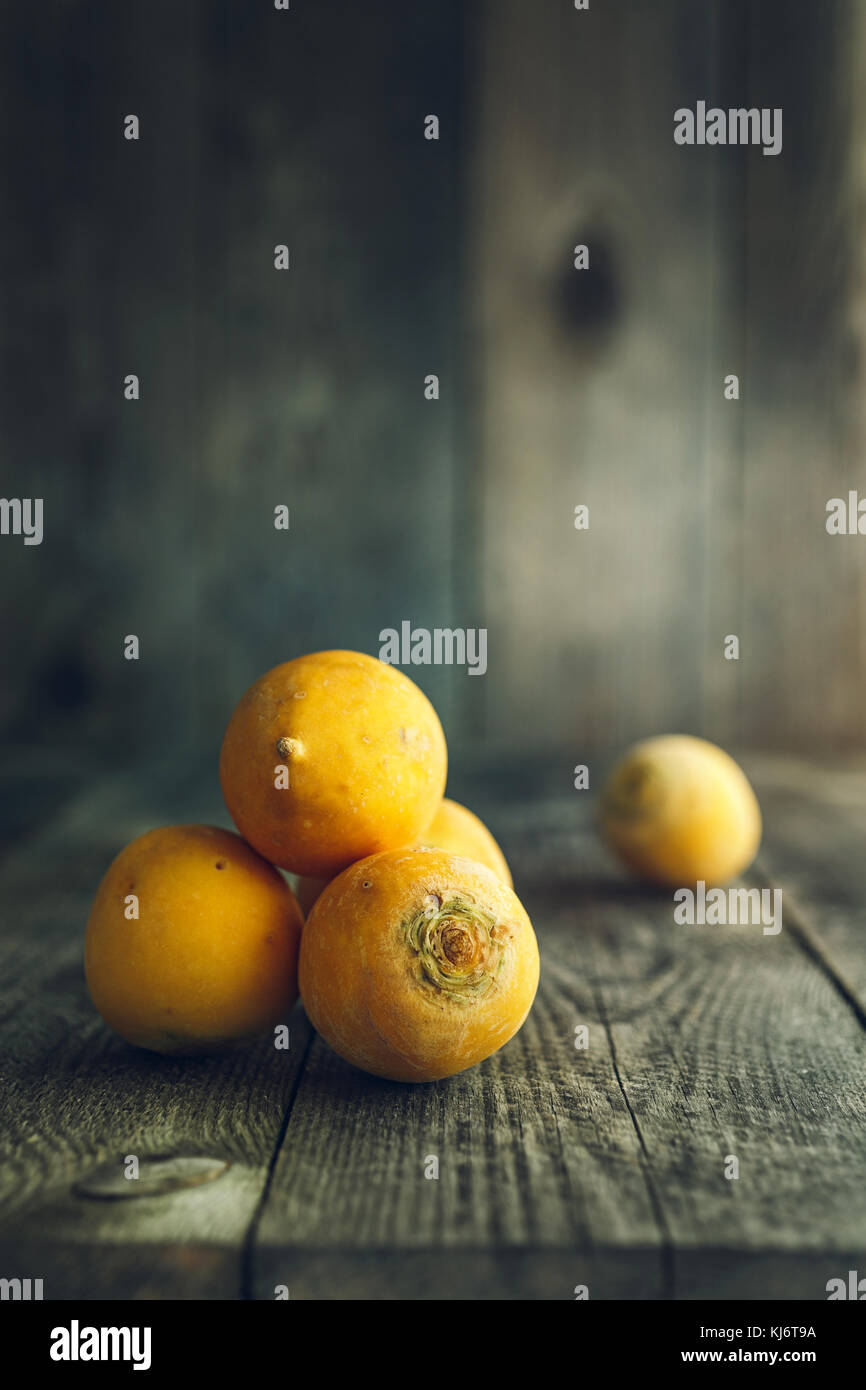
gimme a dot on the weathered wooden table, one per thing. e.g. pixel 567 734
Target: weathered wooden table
pixel 558 1166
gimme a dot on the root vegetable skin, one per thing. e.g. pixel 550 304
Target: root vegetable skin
pixel 210 961
pixel 416 964
pixel 455 829
pixel 458 830
pixel 677 809
pixel 365 757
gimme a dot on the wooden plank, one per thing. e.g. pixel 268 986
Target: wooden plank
pixel 814 832
pixel 107 295
pixel 705 1042
pixel 726 1041
pixel 802 648
pixel 310 384
pixel 733 1043
pixel 74 1098
pixel 558 1167
pixel 257 388
pixel 720 336
pixel 157 260
pixel 708 514
pixel 538 1163
pixel 592 386
pixel 186 1245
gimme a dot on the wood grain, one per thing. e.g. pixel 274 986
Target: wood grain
pixel 258 388
pixel 705 1042
pixel 815 829
pixel 73 1097
pixel 532 1157
pixel 558 1167
pixel 707 515
pixel 802 640
pixel 412 257
pixel 593 385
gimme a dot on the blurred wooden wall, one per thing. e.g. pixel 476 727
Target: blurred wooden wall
pixel 707 516
pixel 409 257
pixel 258 388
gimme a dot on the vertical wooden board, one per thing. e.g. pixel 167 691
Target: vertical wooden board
pixel 803 638
pixel 34 377
pixel 594 391
pixel 722 79
pixel 311 382
pixel 854 77
pixel 156 257
pixel 99 252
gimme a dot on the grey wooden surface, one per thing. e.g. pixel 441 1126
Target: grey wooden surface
pixel 411 257
pixel 557 1167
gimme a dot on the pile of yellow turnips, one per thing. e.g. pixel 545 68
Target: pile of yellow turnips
pixel 416 959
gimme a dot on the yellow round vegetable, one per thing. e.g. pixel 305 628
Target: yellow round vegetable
pixel 677 809
pixel 329 758
pixel 416 964
pixel 455 829
pixel 192 942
